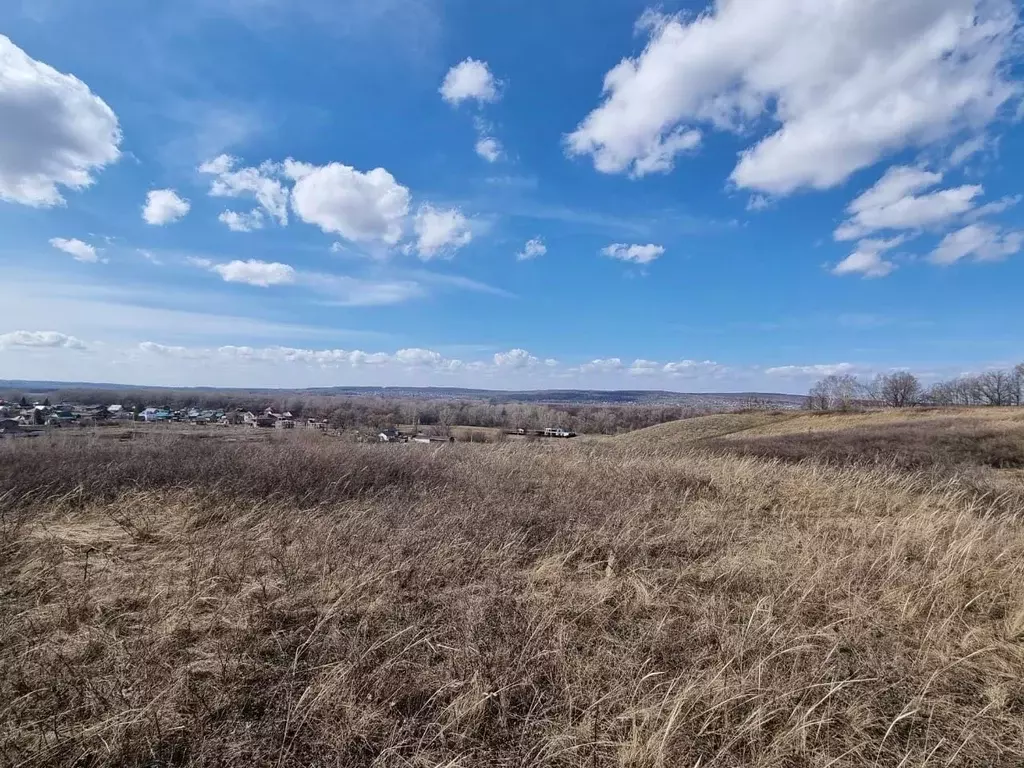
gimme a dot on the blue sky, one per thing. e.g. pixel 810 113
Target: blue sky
pixel 695 197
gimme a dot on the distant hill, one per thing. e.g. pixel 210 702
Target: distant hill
pixel 549 396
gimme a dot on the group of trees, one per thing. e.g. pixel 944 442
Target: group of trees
pixel 357 412
pixel 903 389
pixel 991 388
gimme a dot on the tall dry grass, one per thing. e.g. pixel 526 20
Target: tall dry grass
pixel 312 603
pixel 933 443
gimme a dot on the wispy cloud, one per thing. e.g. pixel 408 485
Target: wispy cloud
pixel 380 285
pixel 343 291
pixel 113 313
pixel 411 28
pixel 509 197
pixel 204 128
pixel 456 281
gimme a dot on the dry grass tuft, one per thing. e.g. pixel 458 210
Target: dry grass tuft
pixel 310 603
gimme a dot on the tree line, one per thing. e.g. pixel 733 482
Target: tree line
pixel 378 412
pixel 902 389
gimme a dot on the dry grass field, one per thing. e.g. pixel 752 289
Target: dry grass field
pixel 741 590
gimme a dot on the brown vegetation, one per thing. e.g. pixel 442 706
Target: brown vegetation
pixel 307 602
pixel 933 443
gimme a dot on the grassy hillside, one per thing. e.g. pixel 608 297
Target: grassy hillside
pixel 996 418
pixel 700 428
pixel 779 423
pixel 650 600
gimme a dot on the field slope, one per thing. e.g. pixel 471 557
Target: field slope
pixel 650 600
pixel 713 425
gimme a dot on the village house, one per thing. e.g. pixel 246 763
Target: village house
pixel 61 416
pixel 234 418
pixel 205 416
pixel 269 419
pixel 64 414
pixel 120 413
pixel 155 414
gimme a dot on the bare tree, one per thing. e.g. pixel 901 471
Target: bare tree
pixel 837 393
pixel 445 418
pixel 898 390
pixel 964 391
pixel 818 398
pixel 942 393
pixel 1018 384
pixel 996 388
pixel 968 391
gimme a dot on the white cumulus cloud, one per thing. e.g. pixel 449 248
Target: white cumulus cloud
pixel 692 368
pixel 643 367
pixel 638 254
pixel 489 148
pixel 470 79
pixel 893 203
pixel 54 132
pixel 534 247
pixel 867 260
pixel 164 206
pixel 515 359
pixel 440 232
pixel 361 207
pixel 76 248
pixel 602 365
pixel 182 353
pixel 40 340
pixel 264 184
pixel 418 358
pixel 846 84
pixel 242 222
pixel 253 272
pixel 982 242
